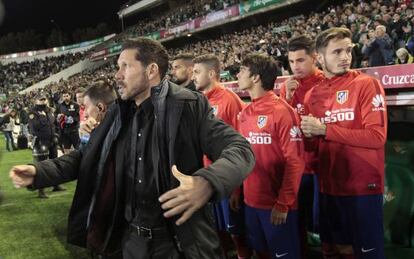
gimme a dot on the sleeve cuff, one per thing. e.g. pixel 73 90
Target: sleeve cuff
pixel 281 207
pixel 217 194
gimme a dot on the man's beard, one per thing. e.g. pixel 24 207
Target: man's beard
pixel 135 92
pixel 179 81
pixel 328 68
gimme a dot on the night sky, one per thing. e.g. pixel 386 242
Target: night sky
pixel 21 15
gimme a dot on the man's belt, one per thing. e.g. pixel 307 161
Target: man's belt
pixel 150 233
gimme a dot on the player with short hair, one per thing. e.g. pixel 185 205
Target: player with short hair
pixel 346 123
pixel 270 191
pixel 226 106
pixel 306 75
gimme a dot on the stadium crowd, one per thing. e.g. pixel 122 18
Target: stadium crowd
pixel 383 34
pixel 182 13
pixel 18 76
pixel 164 19
pixel 374 46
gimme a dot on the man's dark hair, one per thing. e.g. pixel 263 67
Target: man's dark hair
pixel 302 42
pixel 211 61
pixel 101 91
pixel 149 51
pixel 66 92
pixel 264 66
pixel 339 33
pixel 187 57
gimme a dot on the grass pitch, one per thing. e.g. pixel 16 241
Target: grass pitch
pixel 31 227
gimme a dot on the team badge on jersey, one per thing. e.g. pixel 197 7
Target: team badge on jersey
pixel 215 109
pixel 342 96
pixel 300 109
pixel 261 121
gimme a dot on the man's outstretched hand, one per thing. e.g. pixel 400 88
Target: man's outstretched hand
pixel 22 175
pixel 192 194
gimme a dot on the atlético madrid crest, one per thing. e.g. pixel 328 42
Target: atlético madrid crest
pixel 261 121
pixel 342 96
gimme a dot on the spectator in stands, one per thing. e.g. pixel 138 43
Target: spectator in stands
pixel 379 48
pixel 403 57
pixel 5 108
pixel 397 31
pixel 182 70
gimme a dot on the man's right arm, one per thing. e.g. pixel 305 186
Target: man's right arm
pixel 56 171
pixel 231 154
pixel 48 172
pixel 288 88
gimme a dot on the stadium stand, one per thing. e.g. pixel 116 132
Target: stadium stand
pixel 17 76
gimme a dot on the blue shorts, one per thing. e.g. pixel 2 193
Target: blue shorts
pixel 228 219
pixel 281 241
pixel 353 220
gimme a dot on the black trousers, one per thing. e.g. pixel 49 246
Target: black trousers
pixel 68 139
pixel 137 247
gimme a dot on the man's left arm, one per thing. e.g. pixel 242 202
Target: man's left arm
pixel 291 143
pixel 292 148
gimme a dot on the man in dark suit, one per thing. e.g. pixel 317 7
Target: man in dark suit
pixel 127 200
